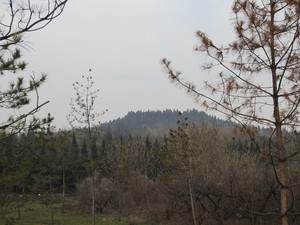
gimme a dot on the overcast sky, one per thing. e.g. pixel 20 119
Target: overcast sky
pixel 123 41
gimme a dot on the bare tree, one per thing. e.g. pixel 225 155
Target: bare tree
pixel 84 117
pixel 260 82
pixel 16 19
pixel 183 147
pixel 83 113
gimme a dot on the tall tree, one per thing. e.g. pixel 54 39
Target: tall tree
pixel 184 156
pixel 17 19
pixel 260 82
pixel 84 117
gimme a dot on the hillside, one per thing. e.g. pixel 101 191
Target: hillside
pixel 156 123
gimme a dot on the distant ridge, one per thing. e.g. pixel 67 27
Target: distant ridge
pixel 156 123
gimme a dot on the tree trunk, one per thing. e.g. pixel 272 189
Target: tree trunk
pixel 283 193
pixel 51 199
pixel 19 210
pixel 63 192
pixel 93 194
pixel 63 184
pixel 192 200
pixel 280 150
pixel 282 166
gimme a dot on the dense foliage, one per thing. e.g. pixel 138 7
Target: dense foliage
pixel 257 81
pixel 201 173
pixel 157 123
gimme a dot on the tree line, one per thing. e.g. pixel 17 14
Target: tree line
pixel 157 123
pixel 192 175
pixel 195 174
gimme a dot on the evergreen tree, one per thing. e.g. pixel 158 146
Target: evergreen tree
pixel 260 81
pixel 84 118
pixel 21 18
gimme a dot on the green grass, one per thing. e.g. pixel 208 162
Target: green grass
pixel 38 214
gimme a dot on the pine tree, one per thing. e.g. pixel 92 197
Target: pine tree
pixel 259 84
pixel 84 118
pixel 21 18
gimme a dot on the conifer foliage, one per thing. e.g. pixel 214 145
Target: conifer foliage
pixel 17 19
pixel 259 82
pixel 84 118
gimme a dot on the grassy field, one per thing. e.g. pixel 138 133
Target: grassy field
pixel 38 214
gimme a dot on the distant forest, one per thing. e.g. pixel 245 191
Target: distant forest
pixel 158 123
pixel 163 167
pixel 159 167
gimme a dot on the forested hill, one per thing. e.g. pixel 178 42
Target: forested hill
pixel 155 123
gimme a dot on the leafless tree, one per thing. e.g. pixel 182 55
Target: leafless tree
pixel 84 117
pixel 260 81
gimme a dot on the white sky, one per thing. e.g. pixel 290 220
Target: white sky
pixel 123 42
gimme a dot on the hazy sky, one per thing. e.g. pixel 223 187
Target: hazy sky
pixel 123 41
